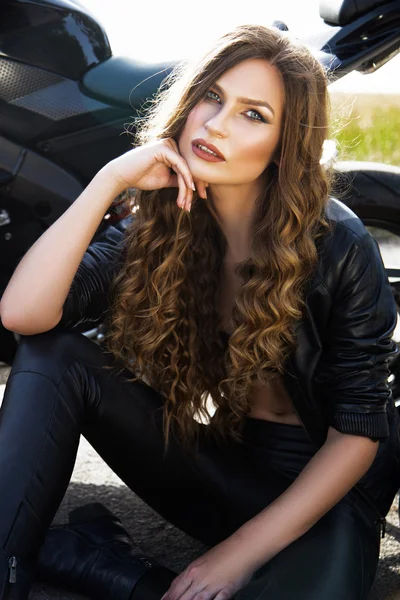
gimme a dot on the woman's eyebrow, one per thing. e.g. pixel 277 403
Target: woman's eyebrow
pixel 244 100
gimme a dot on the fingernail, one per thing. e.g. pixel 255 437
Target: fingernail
pixel 193 187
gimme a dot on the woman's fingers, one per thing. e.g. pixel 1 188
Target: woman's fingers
pixel 178 162
pixel 180 166
pixel 181 190
pixel 184 194
pixel 201 188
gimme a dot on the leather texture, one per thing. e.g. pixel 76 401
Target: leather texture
pixel 124 81
pixel 93 555
pixel 338 374
pixel 59 389
pixel 88 298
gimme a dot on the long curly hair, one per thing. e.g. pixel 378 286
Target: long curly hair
pixel 163 324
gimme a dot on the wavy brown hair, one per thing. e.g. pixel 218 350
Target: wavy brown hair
pixel 164 324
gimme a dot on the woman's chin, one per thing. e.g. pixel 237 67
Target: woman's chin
pixel 207 177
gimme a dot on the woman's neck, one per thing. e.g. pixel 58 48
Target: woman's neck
pixel 235 210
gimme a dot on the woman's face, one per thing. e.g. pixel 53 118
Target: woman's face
pixel 241 117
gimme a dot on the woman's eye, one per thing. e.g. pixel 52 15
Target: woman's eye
pixel 255 116
pixel 212 95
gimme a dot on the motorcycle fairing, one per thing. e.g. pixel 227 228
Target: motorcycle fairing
pixel 343 12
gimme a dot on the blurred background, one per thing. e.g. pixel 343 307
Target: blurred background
pixel 368 104
pixel 365 108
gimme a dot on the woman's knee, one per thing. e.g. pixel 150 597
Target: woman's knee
pixel 52 352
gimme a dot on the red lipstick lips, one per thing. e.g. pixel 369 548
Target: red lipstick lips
pixel 207 151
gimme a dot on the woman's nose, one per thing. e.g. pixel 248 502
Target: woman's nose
pixel 216 127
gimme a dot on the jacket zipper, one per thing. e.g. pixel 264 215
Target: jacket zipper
pixel 371 504
pixel 12 567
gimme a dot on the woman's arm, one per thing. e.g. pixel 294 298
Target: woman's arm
pixel 34 298
pixel 352 379
pixel 331 473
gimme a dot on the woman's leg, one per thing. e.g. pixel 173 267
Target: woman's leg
pixel 335 560
pixel 58 389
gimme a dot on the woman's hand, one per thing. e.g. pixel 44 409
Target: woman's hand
pixel 154 166
pixel 217 575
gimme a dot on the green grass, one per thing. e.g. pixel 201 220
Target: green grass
pixel 368 129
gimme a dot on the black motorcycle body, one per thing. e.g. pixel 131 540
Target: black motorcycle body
pixel 67 105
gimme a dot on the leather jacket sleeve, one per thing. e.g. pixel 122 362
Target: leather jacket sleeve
pixel 352 374
pixel 88 298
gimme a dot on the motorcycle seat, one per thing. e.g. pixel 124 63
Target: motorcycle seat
pixel 123 81
pixel 343 12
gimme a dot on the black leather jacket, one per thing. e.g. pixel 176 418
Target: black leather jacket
pixel 337 376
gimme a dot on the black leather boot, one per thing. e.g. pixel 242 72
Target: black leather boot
pixel 93 555
pixel 15 577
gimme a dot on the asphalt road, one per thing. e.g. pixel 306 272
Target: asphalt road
pixel 93 481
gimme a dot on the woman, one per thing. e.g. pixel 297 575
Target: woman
pixel 250 286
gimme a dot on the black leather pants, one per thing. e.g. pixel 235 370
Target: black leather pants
pixel 57 391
